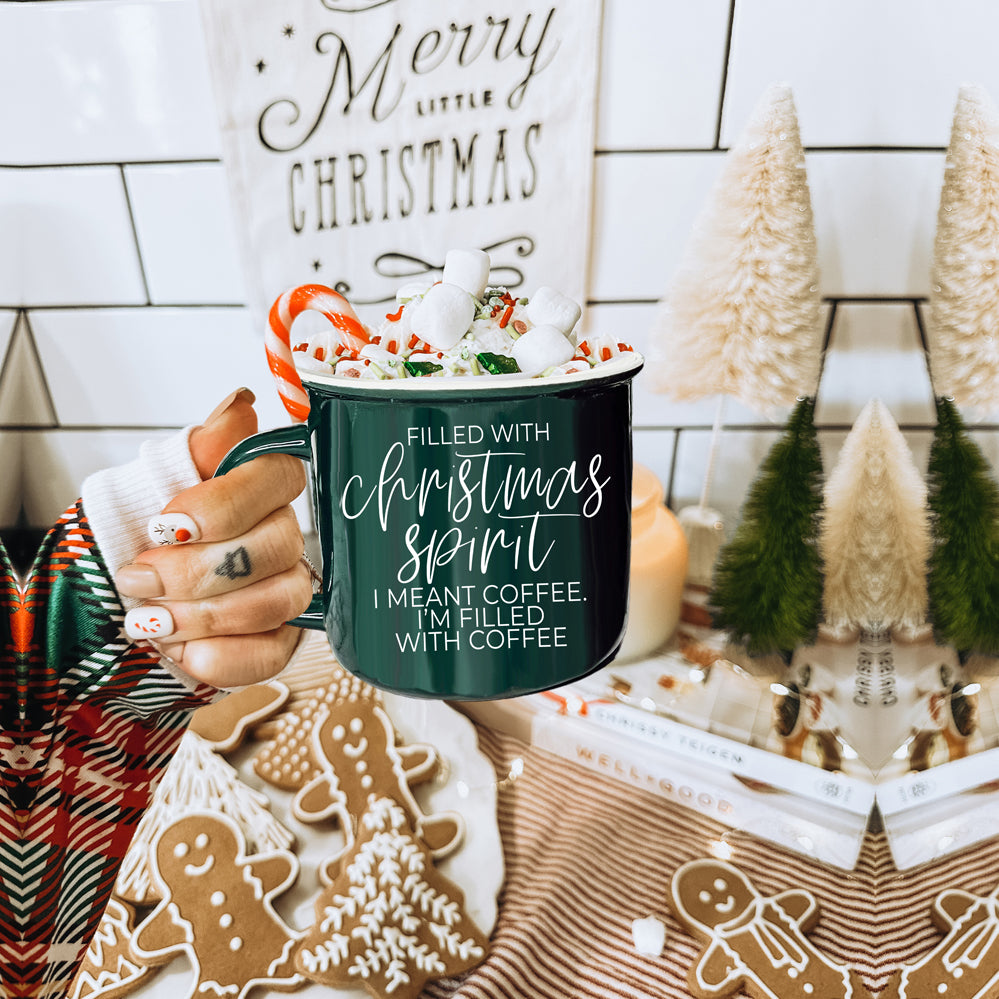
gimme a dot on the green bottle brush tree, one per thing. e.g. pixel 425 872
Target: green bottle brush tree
pixel 767 587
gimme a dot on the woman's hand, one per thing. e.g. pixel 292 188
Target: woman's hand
pixel 228 572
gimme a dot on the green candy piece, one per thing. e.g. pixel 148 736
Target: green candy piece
pixel 498 364
pixel 420 368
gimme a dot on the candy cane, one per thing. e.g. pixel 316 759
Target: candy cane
pixel 277 341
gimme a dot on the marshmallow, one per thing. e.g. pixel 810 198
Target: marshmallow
pixel 414 289
pixel 649 935
pixel 443 316
pixel 548 307
pixel 468 269
pixel 541 347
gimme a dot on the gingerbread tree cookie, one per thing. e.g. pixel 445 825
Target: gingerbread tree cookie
pixel 754 942
pixel 197 780
pixel 389 922
pixel 109 970
pixel 217 909
pixel 965 964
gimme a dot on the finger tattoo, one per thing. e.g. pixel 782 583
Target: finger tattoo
pixel 235 565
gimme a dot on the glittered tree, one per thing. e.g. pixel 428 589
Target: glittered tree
pixel 767 586
pixel 741 317
pixel 963 329
pixel 964 563
pixel 875 532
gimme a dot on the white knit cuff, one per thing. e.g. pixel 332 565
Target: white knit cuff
pixel 119 502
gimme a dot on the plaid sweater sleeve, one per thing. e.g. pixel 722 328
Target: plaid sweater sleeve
pixel 88 723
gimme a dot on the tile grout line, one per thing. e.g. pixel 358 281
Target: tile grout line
pixel 135 233
pixel 194 161
pixel 672 467
pixel 726 57
pixel 108 306
pixel 925 344
pixel 46 388
pixel 826 340
pixel 604 151
pixel 9 353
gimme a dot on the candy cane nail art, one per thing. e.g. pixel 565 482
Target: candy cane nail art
pixel 149 622
pixel 173 529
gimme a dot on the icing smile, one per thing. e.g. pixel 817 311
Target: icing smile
pixel 355 751
pixel 727 906
pixel 194 871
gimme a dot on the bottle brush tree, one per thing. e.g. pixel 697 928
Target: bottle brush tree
pixel 963 328
pixel 741 316
pixel 964 562
pixel 875 532
pixel 767 584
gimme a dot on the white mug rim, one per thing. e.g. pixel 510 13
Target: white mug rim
pixel 621 364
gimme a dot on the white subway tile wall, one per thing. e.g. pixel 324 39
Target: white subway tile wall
pixel 121 296
pixel 187 245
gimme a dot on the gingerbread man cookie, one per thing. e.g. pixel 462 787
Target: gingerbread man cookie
pixel 217 909
pixel 288 760
pixel 341 752
pixel 225 724
pixel 197 780
pixel 389 921
pixel 752 941
pixel 965 964
pixel 108 969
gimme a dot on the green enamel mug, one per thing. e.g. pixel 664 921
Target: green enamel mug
pixel 475 531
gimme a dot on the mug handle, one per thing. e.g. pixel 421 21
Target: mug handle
pixel 293 440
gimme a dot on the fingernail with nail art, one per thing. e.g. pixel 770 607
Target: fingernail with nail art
pixel 151 623
pixel 173 529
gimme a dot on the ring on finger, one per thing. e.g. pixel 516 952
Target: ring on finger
pixel 317 579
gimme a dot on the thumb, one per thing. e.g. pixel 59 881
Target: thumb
pixel 232 420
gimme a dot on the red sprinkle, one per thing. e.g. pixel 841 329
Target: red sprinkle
pixel 506 317
pixel 585 348
pixel 624 346
pixel 394 317
pixel 605 353
pixel 413 341
pixel 320 354
pixel 300 346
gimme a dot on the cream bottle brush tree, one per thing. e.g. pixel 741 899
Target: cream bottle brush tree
pixel 875 538
pixel 741 317
pixel 963 329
